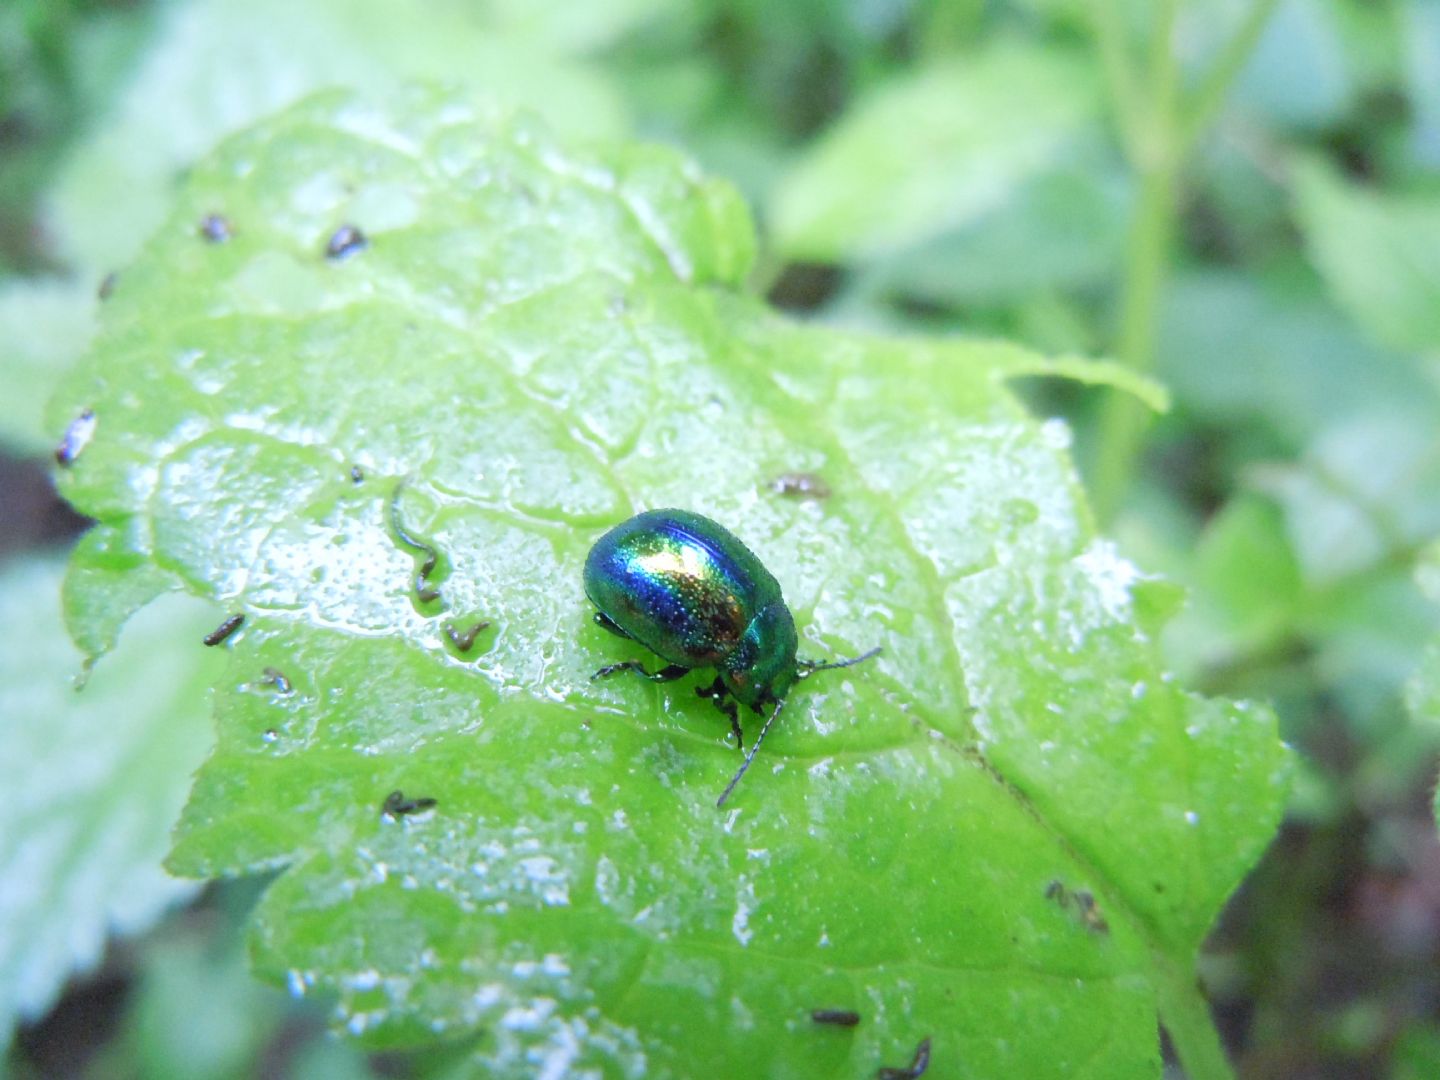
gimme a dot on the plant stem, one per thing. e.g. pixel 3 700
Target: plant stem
pixel 1211 95
pixel 1120 78
pixel 1158 129
pixel 1186 1016
pixel 1123 421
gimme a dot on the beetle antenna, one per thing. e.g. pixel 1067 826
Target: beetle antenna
pixel 749 756
pixel 809 667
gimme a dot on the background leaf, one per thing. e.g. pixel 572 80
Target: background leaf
pixel 543 341
pixel 1379 253
pixel 220 64
pixel 1422 694
pixel 44 326
pixel 94 789
pixel 934 150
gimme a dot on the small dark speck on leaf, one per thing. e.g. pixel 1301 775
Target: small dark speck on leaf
pixel 836 1017
pixel 216 228
pixel 1082 901
pixel 1089 913
pixel 425 593
pixel 107 285
pixel 344 242
pixel 77 436
pixel 276 678
pixel 800 485
pixel 357 474
pixel 918 1064
pixel 224 630
pixel 396 804
pixel 464 641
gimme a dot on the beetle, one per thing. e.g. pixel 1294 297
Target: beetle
pixel 689 591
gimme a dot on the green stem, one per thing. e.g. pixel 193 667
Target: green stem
pixel 1186 1016
pixel 1120 78
pixel 1158 129
pixel 1211 95
pixel 1123 419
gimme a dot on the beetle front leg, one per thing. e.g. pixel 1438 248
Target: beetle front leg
pixel 719 695
pixel 665 674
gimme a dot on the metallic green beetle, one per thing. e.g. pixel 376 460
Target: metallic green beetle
pixel 690 592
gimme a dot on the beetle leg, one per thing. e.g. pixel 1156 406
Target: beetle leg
pixel 715 690
pixel 728 708
pixel 719 694
pixel 665 674
pixel 606 623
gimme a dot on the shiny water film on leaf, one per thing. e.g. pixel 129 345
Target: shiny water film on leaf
pixel 542 342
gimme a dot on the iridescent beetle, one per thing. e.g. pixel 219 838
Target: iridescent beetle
pixel 690 592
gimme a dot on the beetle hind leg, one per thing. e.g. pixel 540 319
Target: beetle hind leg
pixel 665 674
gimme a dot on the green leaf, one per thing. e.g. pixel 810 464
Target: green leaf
pixel 1422 693
pixel 1417 1051
pixel 1063 229
pixel 1378 251
pixel 1367 488
pixel 1298 76
pixel 1421 36
pixel 1248 586
pixel 217 65
pixel 540 342
pixel 193 1008
pixel 1281 357
pixel 93 782
pixel 932 151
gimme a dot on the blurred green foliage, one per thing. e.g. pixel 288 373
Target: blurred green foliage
pixel 1289 303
